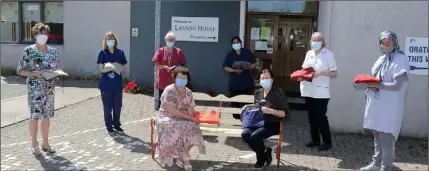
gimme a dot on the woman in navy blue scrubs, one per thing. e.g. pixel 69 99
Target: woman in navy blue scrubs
pixel 238 63
pixel 111 61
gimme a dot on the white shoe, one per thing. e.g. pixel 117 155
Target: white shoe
pixel 188 167
pixel 371 167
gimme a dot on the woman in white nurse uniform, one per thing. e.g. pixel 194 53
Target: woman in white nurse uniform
pixel 384 110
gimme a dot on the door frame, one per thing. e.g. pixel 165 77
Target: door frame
pixel 276 17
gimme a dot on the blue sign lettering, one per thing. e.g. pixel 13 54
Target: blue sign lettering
pixel 418 49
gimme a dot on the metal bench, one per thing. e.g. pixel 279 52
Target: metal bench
pixel 222 99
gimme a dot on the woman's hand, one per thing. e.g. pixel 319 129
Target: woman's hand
pixel 267 110
pixel 238 71
pixel 36 74
pixel 300 79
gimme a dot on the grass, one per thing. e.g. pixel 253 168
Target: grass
pixel 8 72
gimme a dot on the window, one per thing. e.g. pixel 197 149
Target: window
pixel 17 28
pixel 305 7
pixel 9 21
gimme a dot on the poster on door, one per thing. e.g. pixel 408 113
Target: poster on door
pixel 416 49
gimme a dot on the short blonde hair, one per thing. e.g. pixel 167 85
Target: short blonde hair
pixel 40 28
pixel 170 34
pixel 320 36
pixel 109 35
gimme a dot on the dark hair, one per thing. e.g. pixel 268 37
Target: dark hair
pixel 180 69
pixel 235 38
pixel 40 28
pixel 268 71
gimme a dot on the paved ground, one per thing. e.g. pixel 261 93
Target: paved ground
pixel 14 97
pixel 79 136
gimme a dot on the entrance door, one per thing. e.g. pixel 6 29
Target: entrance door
pixel 293 44
pixel 279 43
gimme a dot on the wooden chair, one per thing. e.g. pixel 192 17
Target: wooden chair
pixel 221 110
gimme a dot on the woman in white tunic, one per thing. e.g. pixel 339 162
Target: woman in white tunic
pixel 384 110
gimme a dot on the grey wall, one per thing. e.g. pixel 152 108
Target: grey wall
pixel 353 37
pixel 85 23
pixel 205 59
pixel 142 47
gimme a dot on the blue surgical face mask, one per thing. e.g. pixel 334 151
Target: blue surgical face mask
pixel 236 46
pixel 316 45
pixel 110 43
pixel 266 83
pixel 181 82
pixel 169 44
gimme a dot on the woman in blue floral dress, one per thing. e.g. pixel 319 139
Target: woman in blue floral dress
pixel 41 93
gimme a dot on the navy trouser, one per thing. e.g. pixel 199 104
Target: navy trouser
pixel 112 103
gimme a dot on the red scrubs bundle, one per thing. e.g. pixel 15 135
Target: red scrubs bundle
pixel 306 74
pixel 362 78
pixel 208 117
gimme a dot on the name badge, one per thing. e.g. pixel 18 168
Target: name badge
pixel 112 75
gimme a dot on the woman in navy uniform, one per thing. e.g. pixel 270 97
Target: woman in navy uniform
pixel 111 61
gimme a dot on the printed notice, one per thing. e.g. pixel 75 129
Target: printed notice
pixel 134 32
pixel 261 45
pixel 416 49
pixel 265 33
pixel 254 33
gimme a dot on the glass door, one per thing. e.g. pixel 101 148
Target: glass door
pixel 261 33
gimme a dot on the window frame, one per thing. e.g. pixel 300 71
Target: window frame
pixel 21 31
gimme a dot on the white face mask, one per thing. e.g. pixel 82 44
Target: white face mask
pixel 41 39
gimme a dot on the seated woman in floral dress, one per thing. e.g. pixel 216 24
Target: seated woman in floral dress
pixel 178 129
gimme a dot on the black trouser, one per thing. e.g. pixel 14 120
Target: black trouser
pixel 316 109
pixel 254 137
pixel 236 93
pixel 160 91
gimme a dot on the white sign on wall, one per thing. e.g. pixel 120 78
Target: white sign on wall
pixel 195 29
pixel 416 49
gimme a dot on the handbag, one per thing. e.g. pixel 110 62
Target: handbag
pixel 252 117
pixel 51 74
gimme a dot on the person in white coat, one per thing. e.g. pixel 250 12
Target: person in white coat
pixel 317 92
pixel 385 103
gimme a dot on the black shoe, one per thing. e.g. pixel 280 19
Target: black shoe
pixel 312 144
pixel 119 129
pixel 259 164
pixel 325 147
pixel 269 154
pixel 236 116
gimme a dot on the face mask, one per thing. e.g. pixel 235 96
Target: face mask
pixel 316 45
pixel 386 49
pixel 181 82
pixel 266 83
pixel 236 46
pixel 41 39
pixel 169 44
pixel 110 43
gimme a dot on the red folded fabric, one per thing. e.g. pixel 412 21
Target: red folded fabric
pixel 305 73
pixel 362 78
pixel 209 117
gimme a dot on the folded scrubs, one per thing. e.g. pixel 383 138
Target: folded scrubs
pixel 306 74
pixel 362 78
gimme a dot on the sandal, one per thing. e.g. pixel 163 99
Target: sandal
pixel 36 151
pixel 48 149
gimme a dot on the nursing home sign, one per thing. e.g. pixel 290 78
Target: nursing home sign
pixel 195 29
pixel 416 49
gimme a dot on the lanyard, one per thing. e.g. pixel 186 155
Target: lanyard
pixel 169 58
